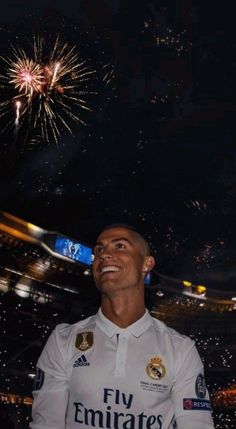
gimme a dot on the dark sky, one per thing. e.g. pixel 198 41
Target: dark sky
pixel 158 150
pixel 13 9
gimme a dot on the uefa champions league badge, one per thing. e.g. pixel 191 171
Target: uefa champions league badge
pixel 39 379
pixel 155 368
pixel 200 386
pixel 84 341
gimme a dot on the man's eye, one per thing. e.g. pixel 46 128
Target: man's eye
pixel 120 246
pixel 97 251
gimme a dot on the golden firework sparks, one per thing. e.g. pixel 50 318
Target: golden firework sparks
pixel 51 87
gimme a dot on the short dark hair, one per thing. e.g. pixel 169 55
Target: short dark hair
pixel 139 236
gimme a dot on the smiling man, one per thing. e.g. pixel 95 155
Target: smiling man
pixel 121 262
pixel 120 369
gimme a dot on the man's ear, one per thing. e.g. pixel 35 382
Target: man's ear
pixel 148 264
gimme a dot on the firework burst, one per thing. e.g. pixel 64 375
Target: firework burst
pixel 49 88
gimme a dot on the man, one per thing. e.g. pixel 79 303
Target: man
pixel 120 369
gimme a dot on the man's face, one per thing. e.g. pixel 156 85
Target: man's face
pixel 120 261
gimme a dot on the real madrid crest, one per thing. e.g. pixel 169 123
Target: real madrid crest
pixel 84 341
pixel 155 368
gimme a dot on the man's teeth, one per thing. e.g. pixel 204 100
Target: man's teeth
pixel 109 269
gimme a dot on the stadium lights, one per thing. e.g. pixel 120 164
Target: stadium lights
pixel 200 289
pixel 4 284
pixel 187 283
pixel 23 287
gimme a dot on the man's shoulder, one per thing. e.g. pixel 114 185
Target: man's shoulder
pixel 64 329
pixel 170 333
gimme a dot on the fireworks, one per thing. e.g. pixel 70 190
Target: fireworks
pixel 27 76
pixel 48 89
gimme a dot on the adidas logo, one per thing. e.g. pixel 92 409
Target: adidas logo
pixel 81 361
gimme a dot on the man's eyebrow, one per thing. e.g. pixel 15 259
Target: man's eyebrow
pixel 100 243
pixel 121 238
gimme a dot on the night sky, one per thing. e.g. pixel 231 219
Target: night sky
pixel 158 149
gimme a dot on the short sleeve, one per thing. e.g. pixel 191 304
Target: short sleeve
pixel 50 389
pixel 197 422
pixel 189 393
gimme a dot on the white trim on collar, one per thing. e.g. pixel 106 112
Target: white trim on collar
pixel 137 328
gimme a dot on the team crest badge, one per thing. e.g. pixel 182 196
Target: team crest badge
pixel 155 368
pixel 84 341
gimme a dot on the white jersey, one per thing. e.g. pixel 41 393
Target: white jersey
pixel 93 374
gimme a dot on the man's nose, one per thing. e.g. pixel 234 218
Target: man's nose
pixel 106 254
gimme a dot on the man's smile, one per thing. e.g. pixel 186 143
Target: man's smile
pixel 109 269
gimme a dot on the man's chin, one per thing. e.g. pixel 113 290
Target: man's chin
pixel 107 279
pixel 109 286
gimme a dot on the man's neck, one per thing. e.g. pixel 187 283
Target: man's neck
pixel 122 311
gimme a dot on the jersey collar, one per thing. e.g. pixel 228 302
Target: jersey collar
pixel 137 328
